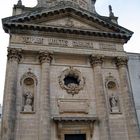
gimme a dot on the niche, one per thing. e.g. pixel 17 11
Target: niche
pixel 113 95
pixel 28 83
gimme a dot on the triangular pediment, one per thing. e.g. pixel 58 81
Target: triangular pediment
pixel 66 20
pixel 71 22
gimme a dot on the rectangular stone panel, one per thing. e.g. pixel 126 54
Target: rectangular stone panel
pixel 73 105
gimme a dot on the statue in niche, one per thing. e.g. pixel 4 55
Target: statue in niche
pixel 28 106
pixel 114 104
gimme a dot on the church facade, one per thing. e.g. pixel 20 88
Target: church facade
pixel 67 76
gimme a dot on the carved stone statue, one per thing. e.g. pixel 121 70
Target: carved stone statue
pixel 28 107
pixel 114 104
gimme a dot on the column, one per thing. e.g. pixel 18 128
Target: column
pixel 96 62
pixel 9 102
pixel 45 116
pixel 129 108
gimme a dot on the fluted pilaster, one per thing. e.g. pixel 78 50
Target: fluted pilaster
pixel 9 104
pixel 129 110
pixel 96 62
pixel 45 116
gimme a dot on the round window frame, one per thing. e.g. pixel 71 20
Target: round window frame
pixel 72 89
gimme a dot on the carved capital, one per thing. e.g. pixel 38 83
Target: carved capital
pixel 45 57
pixel 96 60
pixel 121 61
pixel 14 54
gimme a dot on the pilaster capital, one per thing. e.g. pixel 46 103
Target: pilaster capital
pixel 96 60
pixel 121 61
pixel 14 54
pixel 45 57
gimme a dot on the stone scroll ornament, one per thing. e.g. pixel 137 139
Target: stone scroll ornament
pixel 72 81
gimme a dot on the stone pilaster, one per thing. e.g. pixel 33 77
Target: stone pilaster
pixel 96 62
pixel 129 110
pixel 9 104
pixel 45 116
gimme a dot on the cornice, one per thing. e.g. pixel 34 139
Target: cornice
pixel 66 8
pixel 19 27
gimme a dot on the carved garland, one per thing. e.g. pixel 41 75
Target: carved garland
pixel 72 81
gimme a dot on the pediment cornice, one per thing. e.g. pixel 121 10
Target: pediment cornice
pixel 27 21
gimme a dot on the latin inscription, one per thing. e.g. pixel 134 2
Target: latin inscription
pixel 33 40
pixel 58 42
pixel 70 43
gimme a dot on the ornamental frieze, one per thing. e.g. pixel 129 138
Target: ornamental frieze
pixel 54 42
pixel 61 42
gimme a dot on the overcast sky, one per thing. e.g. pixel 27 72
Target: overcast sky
pixel 128 12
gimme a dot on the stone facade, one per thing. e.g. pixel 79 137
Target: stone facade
pixel 133 65
pixel 67 76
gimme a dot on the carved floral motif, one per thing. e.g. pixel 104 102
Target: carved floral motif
pixel 71 80
pixel 14 54
pixel 45 56
pixel 96 60
pixel 121 61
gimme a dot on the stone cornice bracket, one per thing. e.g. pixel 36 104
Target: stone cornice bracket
pixel 96 59
pixel 121 61
pixel 45 56
pixel 14 54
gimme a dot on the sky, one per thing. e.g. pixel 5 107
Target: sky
pixel 128 12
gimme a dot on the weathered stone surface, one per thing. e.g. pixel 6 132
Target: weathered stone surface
pixel 72 66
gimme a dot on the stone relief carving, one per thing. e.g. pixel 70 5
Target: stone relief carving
pixel 113 96
pixel 96 59
pixel 71 80
pixel 27 75
pixel 28 82
pixel 14 54
pixel 45 56
pixel 121 61
pixel 69 22
pixel 28 106
pixel 114 103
